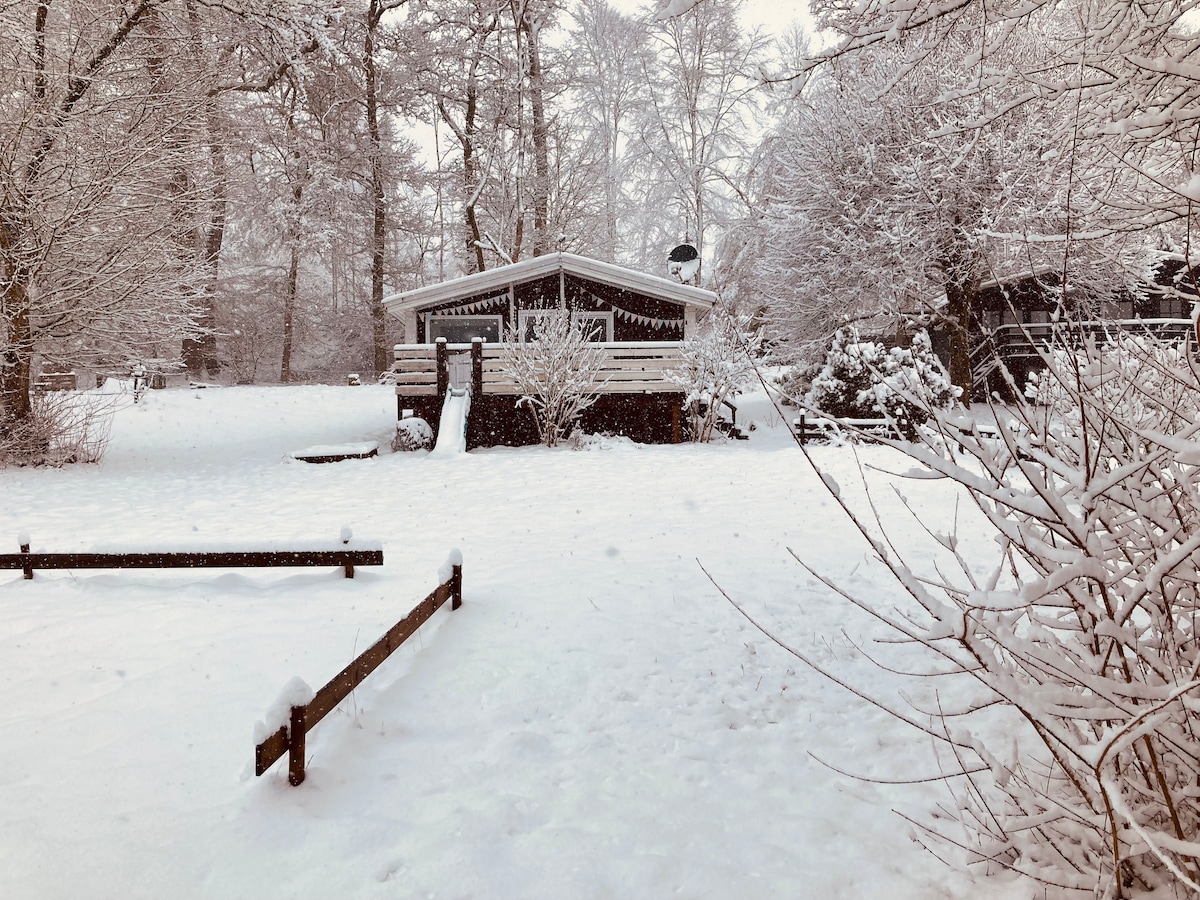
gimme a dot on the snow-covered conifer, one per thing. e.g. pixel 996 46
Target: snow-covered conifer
pixel 864 380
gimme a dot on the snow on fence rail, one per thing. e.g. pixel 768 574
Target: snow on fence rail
pixel 633 367
pixel 346 555
pixel 303 717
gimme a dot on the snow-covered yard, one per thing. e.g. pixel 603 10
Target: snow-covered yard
pixel 596 721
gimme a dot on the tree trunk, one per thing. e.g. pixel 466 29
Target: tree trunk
pixel 958 311
pixel 18 339
pixel 540 137
pixel 214 238
pixel 289 312
pixel 378 200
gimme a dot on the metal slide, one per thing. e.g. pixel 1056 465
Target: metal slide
pixel 452 430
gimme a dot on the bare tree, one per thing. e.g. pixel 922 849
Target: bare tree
pixel 876 204
pixel 1123 76
pixel 694 136
pixel 88 243
pixel 610 53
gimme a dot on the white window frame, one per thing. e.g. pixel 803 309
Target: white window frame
pixel 605 317
pixel 526 318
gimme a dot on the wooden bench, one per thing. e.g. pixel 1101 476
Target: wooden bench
pixel 824 428
pixel 364 553
pixel 56 381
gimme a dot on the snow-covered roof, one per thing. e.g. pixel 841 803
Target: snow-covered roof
pixel 540 266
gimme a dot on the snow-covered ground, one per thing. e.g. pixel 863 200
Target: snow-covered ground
pixel 597 721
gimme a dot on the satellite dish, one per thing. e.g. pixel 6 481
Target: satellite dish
pixel 683 263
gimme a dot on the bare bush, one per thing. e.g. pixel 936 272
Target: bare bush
pixel 1084 625
pixel 557 372
pixel 714 365
pixel 64 427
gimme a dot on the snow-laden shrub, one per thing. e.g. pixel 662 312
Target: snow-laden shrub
pixel 864 380
pixel 714 364
pixel 1084 625
pixel 1145 381
pixel 413 433
pixel 557 373
pixel 793 383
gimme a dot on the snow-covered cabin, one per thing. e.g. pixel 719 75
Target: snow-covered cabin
pixel 639 320
pixel 1013 321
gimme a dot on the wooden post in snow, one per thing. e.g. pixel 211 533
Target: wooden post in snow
pixel 296 731
pixel 456 588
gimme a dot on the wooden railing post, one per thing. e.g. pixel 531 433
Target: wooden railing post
pixel 25 549
pixel 477 367
pixel 296 745
pixel 456 588
pixel 443 369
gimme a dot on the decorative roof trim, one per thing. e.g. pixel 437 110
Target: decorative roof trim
pixel 538 267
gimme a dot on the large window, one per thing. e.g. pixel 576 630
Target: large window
pixel 460 329
pixel 596 326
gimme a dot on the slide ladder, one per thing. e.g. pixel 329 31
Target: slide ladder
pixel 452 429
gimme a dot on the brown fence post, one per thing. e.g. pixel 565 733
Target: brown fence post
pixel 349 568
pixel 28 567
pixel 456 588
pixel 443 369
pixel 296 745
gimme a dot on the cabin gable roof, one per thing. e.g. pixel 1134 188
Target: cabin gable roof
pixel 536 267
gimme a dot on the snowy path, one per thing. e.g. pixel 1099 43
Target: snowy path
pixel 595 722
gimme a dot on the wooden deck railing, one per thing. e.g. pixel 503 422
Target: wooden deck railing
pixel 1008 343
pixel 290 738
pixel 630 367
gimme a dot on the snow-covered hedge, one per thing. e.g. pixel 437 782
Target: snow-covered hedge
pixel 1081 630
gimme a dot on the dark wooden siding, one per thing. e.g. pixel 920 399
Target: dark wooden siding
pixel 636 317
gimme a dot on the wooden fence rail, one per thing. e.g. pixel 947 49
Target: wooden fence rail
pixel 346 557
pixel 290 738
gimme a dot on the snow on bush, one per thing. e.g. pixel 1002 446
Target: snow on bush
pixel 863 380
pixel 557 373
pixel 714 364
pixel 1147 382
pixel 1084 626
pixel 412 433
